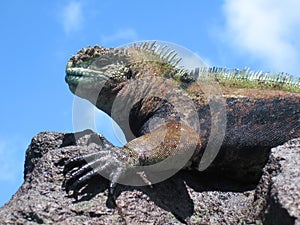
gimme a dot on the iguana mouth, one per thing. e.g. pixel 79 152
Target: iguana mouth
pixel 76 74
pixel 84 80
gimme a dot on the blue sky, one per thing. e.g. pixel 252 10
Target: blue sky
pixel 38 37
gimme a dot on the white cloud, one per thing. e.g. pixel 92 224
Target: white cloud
pixel 267 29
pixel 127 34
pixel 72 17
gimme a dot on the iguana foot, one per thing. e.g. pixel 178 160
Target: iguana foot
pixel 79 170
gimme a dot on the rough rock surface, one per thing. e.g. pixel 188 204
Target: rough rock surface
pixel 186 198
pixel 279 187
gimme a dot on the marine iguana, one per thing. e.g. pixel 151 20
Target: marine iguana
pixel 165 112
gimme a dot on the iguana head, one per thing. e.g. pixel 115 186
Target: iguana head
pixel 98 74
pixel 94 66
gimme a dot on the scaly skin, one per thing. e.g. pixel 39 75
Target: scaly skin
pixel 150 97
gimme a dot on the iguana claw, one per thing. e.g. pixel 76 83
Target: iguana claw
pixel 79 170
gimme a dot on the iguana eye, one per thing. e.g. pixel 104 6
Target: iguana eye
pixel 101 62
pixel 129 74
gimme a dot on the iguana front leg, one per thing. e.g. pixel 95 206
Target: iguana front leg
pixel 172 140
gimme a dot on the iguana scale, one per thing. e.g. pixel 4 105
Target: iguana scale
pixel 262 111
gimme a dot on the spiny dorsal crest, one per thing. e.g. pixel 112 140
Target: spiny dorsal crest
pixel 247 78
pixel 152 52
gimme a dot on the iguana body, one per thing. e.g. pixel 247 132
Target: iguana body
pixel 261 112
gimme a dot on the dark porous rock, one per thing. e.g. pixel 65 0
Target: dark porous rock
pixel 189 197
pixel 279 188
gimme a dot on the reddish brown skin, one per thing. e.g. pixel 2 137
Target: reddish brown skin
pixel 257 120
